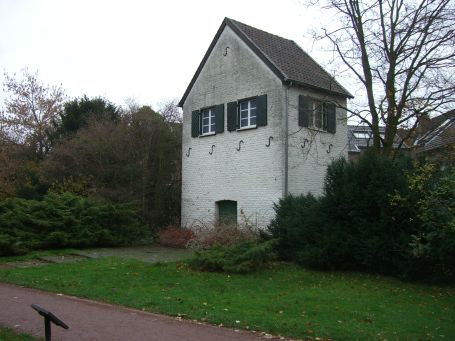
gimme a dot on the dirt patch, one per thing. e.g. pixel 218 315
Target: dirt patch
pixel 63 259
pixel 27 263
pixel 149 253
pixel 5 266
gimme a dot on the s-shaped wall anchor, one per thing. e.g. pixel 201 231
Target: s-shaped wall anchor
pixel 240 143
pixel 226 51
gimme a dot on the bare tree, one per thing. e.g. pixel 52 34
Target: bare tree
pixel 403 54
pixel 170 111
pixel 30 110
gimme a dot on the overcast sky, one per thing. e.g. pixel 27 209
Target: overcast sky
pixel 146 50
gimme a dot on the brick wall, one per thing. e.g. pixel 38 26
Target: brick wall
pixel 253 176
pixel 307 166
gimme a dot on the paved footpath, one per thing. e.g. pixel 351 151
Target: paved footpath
pixel 89 320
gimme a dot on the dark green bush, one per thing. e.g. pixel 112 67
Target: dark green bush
pixel 377 215
pixel 65 220
pixel 239 258
pixel 431 199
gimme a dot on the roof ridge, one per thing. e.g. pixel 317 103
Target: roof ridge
pixel 272 34
pixel 333 83
pixel 235 22
pixel 284 57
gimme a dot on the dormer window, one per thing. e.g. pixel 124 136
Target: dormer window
pixel 208 121
pixel 248 114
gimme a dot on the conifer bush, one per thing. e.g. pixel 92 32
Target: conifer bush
pixel 381 215
pixel 242 257
pixel 66 220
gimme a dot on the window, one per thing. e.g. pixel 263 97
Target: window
pixel 208 121
pixel 318 117
pixel 316 114
pixel 247 114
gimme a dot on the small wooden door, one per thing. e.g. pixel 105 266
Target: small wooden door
pixel 227 212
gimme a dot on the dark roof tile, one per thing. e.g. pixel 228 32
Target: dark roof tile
pixel 284 57
pixel 293 63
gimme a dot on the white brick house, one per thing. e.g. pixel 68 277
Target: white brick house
pixel 261 119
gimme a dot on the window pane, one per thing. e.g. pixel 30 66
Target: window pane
pixel 244 122
pixel 253 120
pixel 243 105
pixel 361 135
pixel 205 129
pixel 253 112
pixel 244 115
pixel 212 127
pixel 253 104
pixel 318 121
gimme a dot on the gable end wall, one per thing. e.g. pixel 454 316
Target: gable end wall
pixel 252 176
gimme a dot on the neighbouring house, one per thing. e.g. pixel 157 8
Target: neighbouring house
pixel 360 138
pixel 261 119
pixel 435 139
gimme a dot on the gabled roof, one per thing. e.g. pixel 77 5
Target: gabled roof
pixel 283 56
pixel 441 132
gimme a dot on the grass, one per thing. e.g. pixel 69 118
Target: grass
pixel 7 334
pixel 283 299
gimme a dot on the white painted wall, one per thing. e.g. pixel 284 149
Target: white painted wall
pixel 307 166
pixel 253 176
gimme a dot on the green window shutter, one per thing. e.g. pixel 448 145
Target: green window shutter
pixel 305 110
pixel 195 124
pixel 330 112
pixel 232 116
pixel 261 111
pixel 219 118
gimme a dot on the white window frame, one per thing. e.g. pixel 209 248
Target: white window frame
pixel 210 114
pixel 318 116
pixel 248 110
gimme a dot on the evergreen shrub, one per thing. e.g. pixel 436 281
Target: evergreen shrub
pixel 243 257
pixel 66 220
pixel 378 215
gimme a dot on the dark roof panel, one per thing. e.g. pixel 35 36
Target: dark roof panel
pixel 440 133
pixel 293 63
pixel 283 56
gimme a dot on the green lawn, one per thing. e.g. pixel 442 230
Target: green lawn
pixel 284 299
pixel 7 334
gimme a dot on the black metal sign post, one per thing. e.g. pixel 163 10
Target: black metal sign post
pixel 48 318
